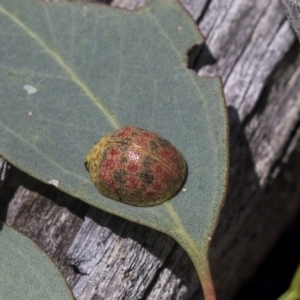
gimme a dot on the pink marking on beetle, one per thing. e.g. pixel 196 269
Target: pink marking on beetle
pixel 157 187
pixel 147 134
pixel 141 141
pixel 114 151
pixel 168 153
pixel 111 184
pixel 158 169
pixel 124 131
pixel 132 183
pixel 103 175
pixel 108 165
pixel 144 138
pixel 132 167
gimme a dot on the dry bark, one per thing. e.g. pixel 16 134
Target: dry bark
pixel 252 47
pixel 292 11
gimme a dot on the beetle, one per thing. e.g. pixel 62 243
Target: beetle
pixel 136 166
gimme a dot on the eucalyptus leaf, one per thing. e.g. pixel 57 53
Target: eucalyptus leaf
pixel 27 273
pixel 71 72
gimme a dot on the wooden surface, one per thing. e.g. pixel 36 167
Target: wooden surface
pixel 292 11
pixel 252 47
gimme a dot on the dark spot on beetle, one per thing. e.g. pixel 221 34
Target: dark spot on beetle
pixel 120 176
pixel 123 159
pixel 153 146
pixel 104 154
pixel 147 178
pixel 86 166
pixel 134 133
pixel 127 140
pixel 123 148
pixel 162 142
pixel 147 162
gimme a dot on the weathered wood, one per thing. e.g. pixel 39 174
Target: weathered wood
pixel 251 46
pixel 110 257
pixel 125 260
pixel 292 11
pixel 247 40
pixel 49 217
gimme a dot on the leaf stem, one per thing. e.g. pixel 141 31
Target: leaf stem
pixel 197 254
pixel 206 281
pixel 201 263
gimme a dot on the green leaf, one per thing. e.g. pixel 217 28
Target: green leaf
pixel 26 271
pixel 293 293
pixel 73 72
